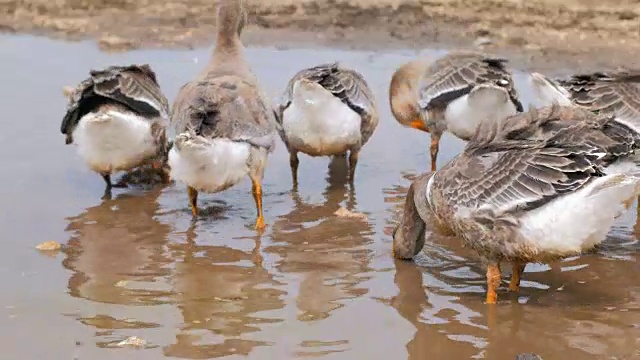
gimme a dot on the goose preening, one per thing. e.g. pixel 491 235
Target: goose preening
pixel 455 93
pixel 118 118
pixel 225 125
pixel 541 186
pixel 326 110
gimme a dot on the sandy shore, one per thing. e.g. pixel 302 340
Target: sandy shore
pixel 542 35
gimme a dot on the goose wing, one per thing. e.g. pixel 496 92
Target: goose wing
pixel 456 74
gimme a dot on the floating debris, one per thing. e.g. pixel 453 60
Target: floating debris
pixel 342 212
pixel 122 283
pixel 112 43
pixel 533 47
pixel 482 41
pixel 528 356
pixel 49 246
pixel 132 341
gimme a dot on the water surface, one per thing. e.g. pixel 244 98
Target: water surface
pixel 313 285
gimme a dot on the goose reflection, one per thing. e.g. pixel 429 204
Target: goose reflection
pixel 116 255
pixel 445 323
pixel 219 291
pixel 328 252
pixel 412 303
pixel 593 315
pixel 116 242
pixel 396 197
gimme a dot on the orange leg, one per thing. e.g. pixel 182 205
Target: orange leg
pixel 516 275
pixel 257 196
pixel 435 144
pixel 493 282
pixel 193 200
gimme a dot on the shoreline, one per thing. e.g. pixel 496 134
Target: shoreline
pixel 543 35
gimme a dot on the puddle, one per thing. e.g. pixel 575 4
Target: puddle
pixel 314 284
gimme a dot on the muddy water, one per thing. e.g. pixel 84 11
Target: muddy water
pixel 313 285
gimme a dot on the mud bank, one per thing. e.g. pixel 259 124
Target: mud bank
pixel 540 35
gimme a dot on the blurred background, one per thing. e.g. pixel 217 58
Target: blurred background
pixel 591 33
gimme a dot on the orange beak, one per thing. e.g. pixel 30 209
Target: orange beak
pixel 418 124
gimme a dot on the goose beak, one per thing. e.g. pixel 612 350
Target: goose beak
pixel 418 124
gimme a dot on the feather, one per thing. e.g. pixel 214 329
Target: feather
pixel 456 74
pixel 134 86
pixel 225 107
pixel 346 84
pixel 502 171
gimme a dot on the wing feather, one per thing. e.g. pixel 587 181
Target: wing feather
pixel 134 86
pixel 224 107
pixel 504 174
pixel 345 84
pixel 616 93
pixel 457 74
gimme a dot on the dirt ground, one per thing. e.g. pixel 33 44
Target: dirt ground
pixel 537 34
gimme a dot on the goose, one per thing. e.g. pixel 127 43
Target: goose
pixel 453 93
pixel 118 117
pixel 224 123
pixel 544 185
pixel 326 110
pixel 613 93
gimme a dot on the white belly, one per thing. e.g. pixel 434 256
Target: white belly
pixel 579 221
pixel 210 167
pixel 484 103
pixel 318 123
pixel 113 141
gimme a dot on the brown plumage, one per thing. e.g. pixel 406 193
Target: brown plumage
pixel 326 110
pixel 424 94
pixel 518 190
pixel 224 122
pixel 224 107
pixel 119 115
